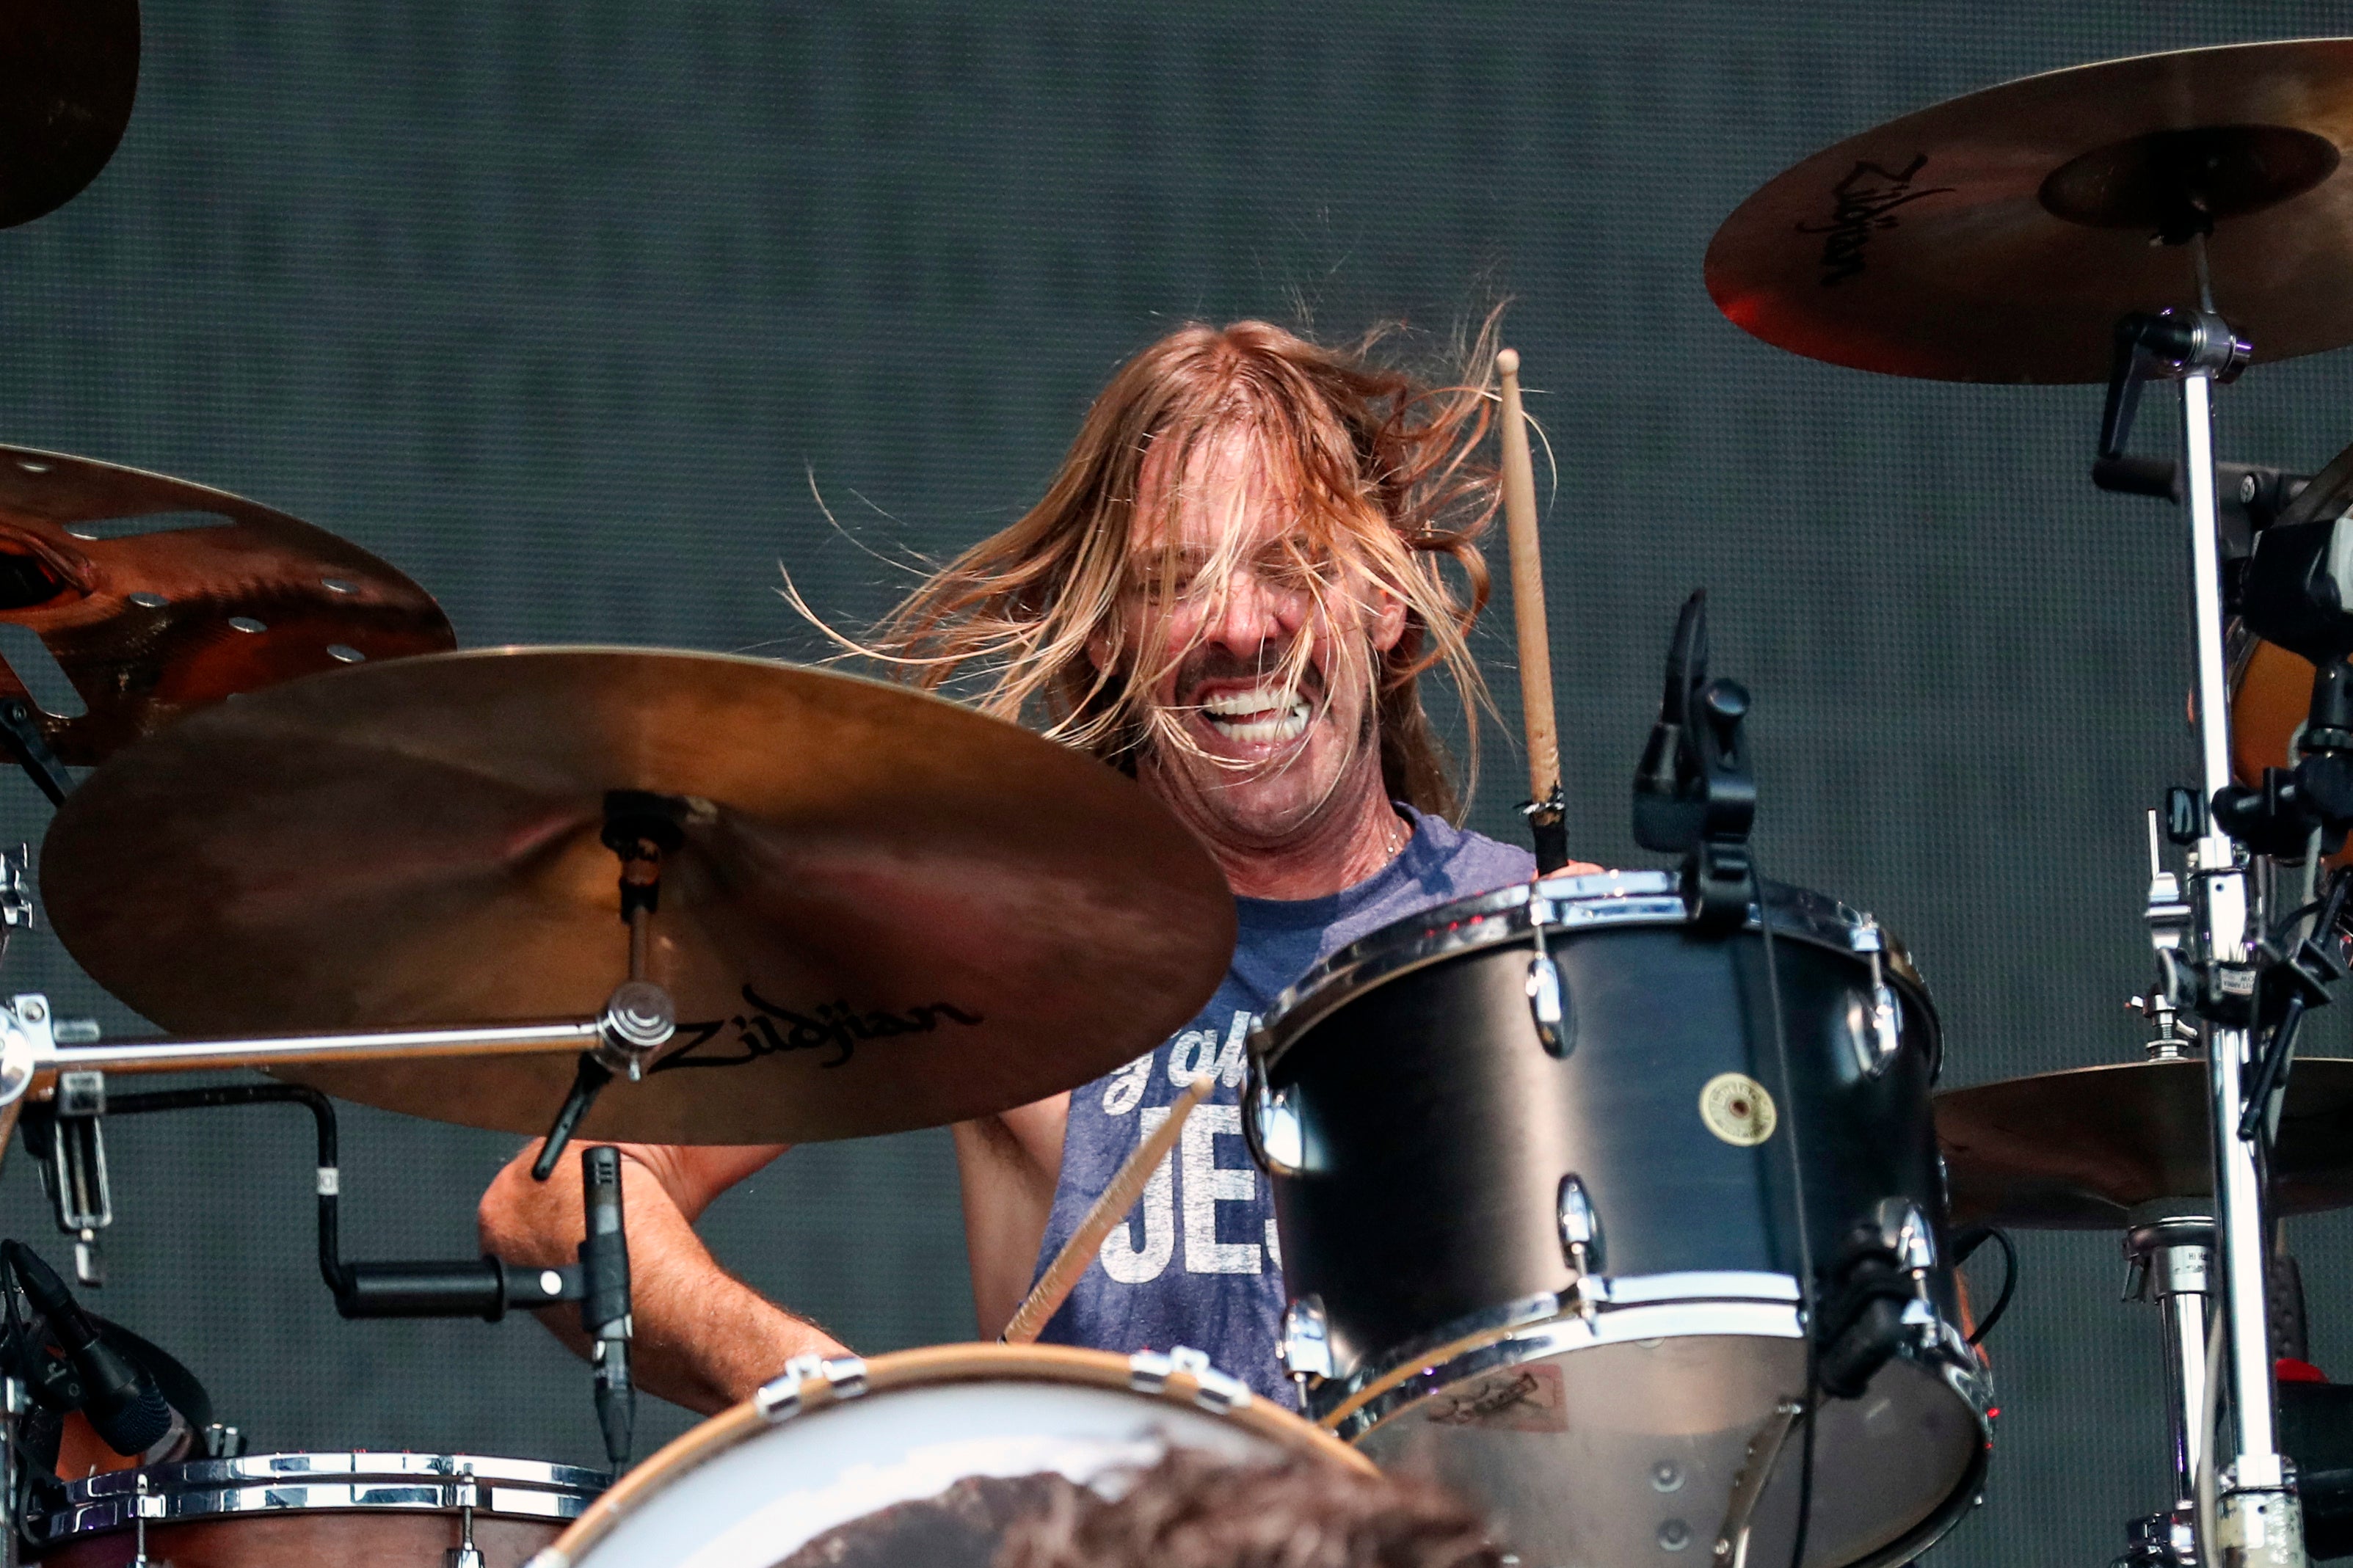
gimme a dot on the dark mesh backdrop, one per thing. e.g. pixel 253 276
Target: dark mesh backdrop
pixel 567 308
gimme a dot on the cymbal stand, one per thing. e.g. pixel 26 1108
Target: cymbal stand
pixel 2170 1253
pixel 2258 1519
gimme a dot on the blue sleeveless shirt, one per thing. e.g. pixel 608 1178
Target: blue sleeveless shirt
pixel 1198 1262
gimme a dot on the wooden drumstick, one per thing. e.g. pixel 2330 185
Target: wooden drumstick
pixel 1545 809
pixel 1127 1184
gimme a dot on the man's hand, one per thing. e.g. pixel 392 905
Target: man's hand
pixel 704 1339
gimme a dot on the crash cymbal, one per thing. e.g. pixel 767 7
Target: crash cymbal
pixel 888 911
pixel 1998 236
pixel 2077 1150
pixel 156 595
pixel 68 71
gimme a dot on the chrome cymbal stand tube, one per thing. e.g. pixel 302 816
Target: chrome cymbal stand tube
pixel 2169 1250
pixel 2259 1521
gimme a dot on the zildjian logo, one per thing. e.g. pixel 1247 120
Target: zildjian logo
pixel 766 1029
pixel 1861 204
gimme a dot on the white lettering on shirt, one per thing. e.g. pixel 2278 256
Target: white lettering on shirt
pixel 1122 1259
pixel 1127 1086
pixel 1206 1185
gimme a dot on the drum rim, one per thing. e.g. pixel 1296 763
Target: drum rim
pixel 1562 905
pixel 822 1384
pixel 324 1480
pixel 1710 1298
pixel 1479 1356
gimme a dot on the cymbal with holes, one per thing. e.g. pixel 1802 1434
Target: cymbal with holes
pixel 888 912
pixel 69 72
pixel 1998 236
pixel 2079 1150
pixel 153 595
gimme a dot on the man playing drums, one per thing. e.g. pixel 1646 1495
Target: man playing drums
pixel 1229 591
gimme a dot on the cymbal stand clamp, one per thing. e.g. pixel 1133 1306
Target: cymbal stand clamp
pixel 65 1133
pixel 639 1018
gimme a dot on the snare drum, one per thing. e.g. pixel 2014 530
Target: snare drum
pixel 383 1510
pixel 921 1456
pixel 1532 1172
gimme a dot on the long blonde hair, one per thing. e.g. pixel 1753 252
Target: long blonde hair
pixel 1379 467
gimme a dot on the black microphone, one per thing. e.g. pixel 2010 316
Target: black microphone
pixel 118 1396
pixel 604 1298
pixel 1666 815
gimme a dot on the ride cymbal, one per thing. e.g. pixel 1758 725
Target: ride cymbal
pixel 1998 237
pixel 156 595
pixel 2078 1150
pixel 888 912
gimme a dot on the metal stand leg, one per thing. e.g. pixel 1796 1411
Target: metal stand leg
pixel 2169 1255
pixel 2258 1521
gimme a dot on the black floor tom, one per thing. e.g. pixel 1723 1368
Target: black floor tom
pixel 1546 1194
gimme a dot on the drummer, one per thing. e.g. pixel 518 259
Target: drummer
pixel 1255 549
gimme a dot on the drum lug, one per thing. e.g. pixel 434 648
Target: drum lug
pixel 779 1399
pixel 1306 1340
pixel 1581 1230
pixel 1149 1371
pixel 1886 1020
pixel 1544 1004
pixel 1271 1124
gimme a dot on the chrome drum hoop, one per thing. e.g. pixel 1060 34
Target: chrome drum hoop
pixel 357 1480
pixel 1653 1308
pixel 1554 905
pixel 1600 1312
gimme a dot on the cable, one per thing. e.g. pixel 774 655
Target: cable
pixel 1808 1301
pixel 1965 1246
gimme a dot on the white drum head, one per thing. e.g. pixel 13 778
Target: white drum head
pixel 954 1439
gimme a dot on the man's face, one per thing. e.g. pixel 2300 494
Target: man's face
pixel 1272 742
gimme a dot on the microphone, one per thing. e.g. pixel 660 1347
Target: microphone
pixel 1667 813
pixel 119 1395
pixel 604 1298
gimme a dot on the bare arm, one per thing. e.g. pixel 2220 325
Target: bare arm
pixel 1009 1165
pixel 704 1338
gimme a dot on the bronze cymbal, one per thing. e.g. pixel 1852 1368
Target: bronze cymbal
pixel 68 71
pixel 889 912
pixel 1998 235
pixel 2077 1150
pixel 156 595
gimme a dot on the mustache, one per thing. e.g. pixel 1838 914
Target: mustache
pixel 1271 661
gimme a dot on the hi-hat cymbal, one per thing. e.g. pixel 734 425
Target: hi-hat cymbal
pixel 68 71
pixel 888 912
pixel 156 595
pixel 2079 1150
pixel 1998 236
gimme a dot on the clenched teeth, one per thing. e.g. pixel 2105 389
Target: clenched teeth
pixel 1265 713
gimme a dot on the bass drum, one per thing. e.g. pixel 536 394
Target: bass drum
pixel 922 1455
pixel 1539 1175
pixel 383 1510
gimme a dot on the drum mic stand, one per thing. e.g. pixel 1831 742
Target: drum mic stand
pixel 2258 1518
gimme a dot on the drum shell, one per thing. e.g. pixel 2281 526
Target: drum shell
pixel 1437 1127
pixel 378 1510
pixel 357 1538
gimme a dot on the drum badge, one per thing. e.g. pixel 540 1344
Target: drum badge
pixel 1737 1110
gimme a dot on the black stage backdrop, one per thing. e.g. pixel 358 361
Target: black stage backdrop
pixel 573 309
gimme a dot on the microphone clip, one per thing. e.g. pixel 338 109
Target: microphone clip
pixel 1693 792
